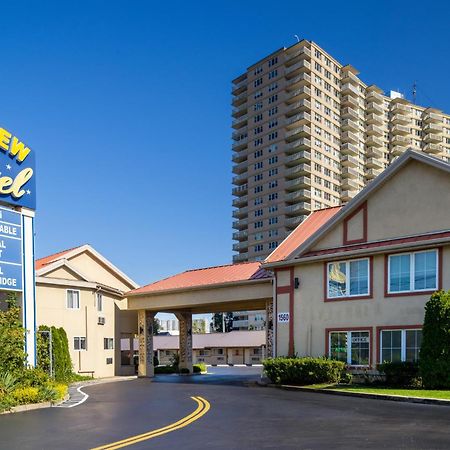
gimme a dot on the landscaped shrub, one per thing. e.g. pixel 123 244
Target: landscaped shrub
pixel 199 368
pixel 12 337
pixel 401 374
pixel 25 395
pixel 161 370
pixel 8 382
pixel 303 371
pixel 434 362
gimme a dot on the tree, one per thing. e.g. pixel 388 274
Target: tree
pixel 218 321
pixel 12 337
pixel 156 326
pixel 198 326
pixel 434 361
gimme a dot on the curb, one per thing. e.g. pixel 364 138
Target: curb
pixel 394 398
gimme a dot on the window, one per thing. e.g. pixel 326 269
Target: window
pixel 99 302
pixel 400 345
pixel 108 343
pixel 348 278
pixel 79 343
pixel 73 299
pixel 351 347
pixel 413 272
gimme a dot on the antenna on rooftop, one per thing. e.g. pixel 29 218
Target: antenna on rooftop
pixel 296 37
pixel 414 92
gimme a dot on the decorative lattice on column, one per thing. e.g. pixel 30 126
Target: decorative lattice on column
pixel 185 340
pixel 269 328
pixel 141 331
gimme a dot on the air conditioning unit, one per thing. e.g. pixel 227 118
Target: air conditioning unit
pixel 101 321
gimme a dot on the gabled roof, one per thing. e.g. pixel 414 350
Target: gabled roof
pixel 41 262
pixel 357 201
pixel 306 229
pixel 48 263
pixel 208 276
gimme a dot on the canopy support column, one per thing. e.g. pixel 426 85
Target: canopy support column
pixel 145 329
pixel 185 319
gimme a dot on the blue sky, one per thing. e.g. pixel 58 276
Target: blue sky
pixel 127 105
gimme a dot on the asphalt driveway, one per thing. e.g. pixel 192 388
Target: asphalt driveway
pixel 241 416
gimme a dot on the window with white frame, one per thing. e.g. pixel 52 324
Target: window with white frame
pixel 348 278
pixel 351 347
pixel 73 299
pixel 400 345
pixel 108 343
pixel 99 302
pixel 79 343
pixel 413 272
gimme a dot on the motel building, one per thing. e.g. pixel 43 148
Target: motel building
pixel 81 291
pixel 233 348
pixel 349 282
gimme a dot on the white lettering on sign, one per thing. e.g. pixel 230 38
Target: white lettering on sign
pixel 360 340
pixel 283 317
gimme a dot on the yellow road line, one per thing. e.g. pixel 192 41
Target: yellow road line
pixel 202 408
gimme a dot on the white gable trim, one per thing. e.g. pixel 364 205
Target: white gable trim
pixel 87 248
pixel 58 264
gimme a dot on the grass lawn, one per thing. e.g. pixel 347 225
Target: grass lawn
pixel 422 393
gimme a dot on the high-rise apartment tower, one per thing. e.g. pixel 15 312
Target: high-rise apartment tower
pixel 309 134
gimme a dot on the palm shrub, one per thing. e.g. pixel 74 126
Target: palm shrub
pixel 434 361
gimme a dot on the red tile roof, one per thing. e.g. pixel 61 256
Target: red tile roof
pixel 304 231
pixel 40 263
pixel 206 277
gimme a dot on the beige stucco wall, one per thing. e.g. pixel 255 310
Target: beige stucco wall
pixel 52 310
pixel 282 329
pixel 251 296
pixel 96 270
pixel 313 315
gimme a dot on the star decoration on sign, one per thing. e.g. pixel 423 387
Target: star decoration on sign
pixel 8 166
pixel 28 192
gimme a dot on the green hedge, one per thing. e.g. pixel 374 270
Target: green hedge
pixel 434 359
pixel 401 374
pixel 303 371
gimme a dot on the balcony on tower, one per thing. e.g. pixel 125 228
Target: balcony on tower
pixel 239 122
pixel 241 190
pixel 348 136
pixel 238 202
pixel 349 149
pixel 374 119
pixel 240 235
pixel 349 113
pixel 299 94
pixel 349 161
pixel 298 209
pixel 374 141
pixel 374 108
pixel 374 130
pixel 293 222
pixel 297 158
pixel 433 149
pixel 240 224
pixel 296 133
pixel 298 170
pixel 304 79
pixel 239 84
pixel 297 196
pixel 297 183
pixel 239 99
pixel 301 105
pixel 400 129
pixel 349 125
pixel 301 66
pixel 299 144
pixel 301 118
pixel 370 174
